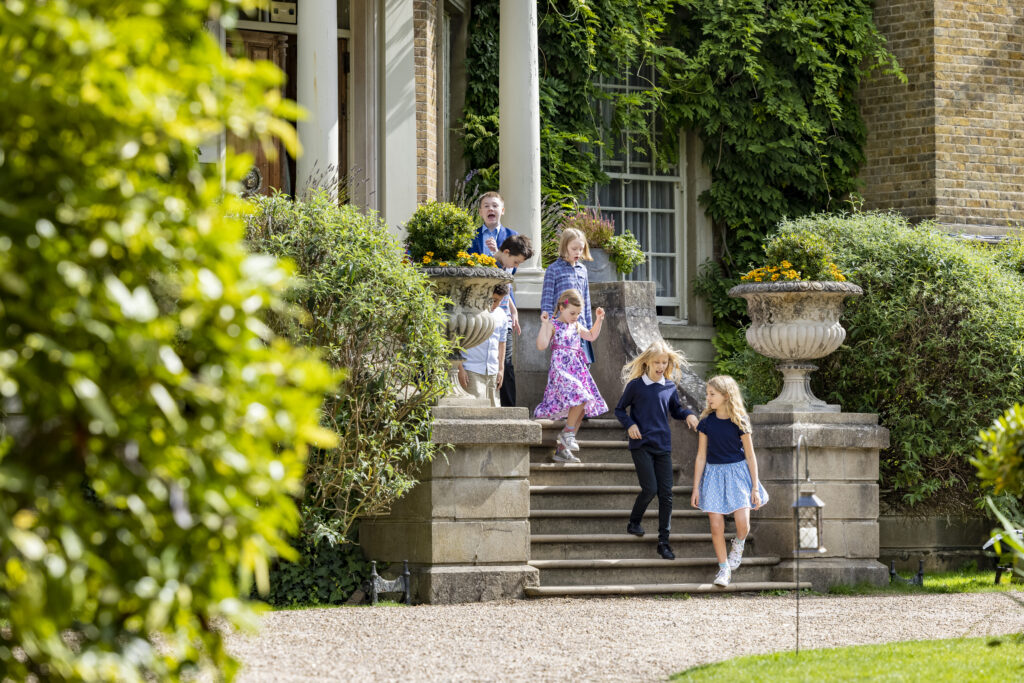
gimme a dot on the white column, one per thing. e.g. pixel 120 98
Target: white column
pixel 397 194
pixel 519 136
pixel 317 89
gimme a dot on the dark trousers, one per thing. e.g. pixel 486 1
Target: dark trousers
pixel 654 470
pixel 508 382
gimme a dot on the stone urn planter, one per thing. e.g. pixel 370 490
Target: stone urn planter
pixel 468 293
pixel 795 322
pixel 601 269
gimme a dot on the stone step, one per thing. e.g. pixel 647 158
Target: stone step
pixel 634 571
pixel 590 451
pixel 684 520
pixel 585 474
pixel 660 588
pixel 592 423
pixel 619 546
pixel 592 497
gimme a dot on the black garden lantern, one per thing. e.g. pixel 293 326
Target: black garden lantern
pixel 807 510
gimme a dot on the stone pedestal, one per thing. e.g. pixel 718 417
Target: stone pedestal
pixel 842 457
pixel 465 527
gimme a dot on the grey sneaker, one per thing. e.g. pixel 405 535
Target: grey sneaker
pixel 563 454
pixel 723 577
pixel 736 554
pixel 568 439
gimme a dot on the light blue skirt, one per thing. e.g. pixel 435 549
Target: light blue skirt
pixel 724 489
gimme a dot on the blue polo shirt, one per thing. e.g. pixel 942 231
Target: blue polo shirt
pixel 650 403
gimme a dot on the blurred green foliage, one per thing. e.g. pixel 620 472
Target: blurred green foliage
pixel 935 346
pixel 156 430
pixel 374 315
pixel 1000 465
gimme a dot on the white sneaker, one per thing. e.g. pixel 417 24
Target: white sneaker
pixel 736 554
pixel 563 454
pixel 568 439
pixel 723 577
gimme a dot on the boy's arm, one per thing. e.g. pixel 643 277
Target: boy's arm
pixel 513 313
pixel 593 333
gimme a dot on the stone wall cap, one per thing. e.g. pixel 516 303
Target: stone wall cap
pixel 771 417
pixel 847 288
pixel 468 271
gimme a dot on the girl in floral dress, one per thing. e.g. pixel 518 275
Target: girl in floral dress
pixel 571 392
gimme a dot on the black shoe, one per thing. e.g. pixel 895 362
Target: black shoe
pixel 665 550
pixel 634 529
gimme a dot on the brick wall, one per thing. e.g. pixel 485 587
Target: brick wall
pixel 979 109
pixel 899 171
pixel 425 46
pixel 949 144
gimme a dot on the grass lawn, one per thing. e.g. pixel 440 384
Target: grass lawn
pixel 960 659
pixel 961 581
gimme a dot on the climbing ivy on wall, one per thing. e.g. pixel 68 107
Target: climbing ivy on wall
pixel 769 86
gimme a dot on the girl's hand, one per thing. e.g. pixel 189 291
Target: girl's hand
pixel 633 432
pixel 544 317
pixel 599 313
pixel 755 497
pixel 695 498
pixel 692 422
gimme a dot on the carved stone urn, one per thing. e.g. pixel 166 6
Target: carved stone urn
pixel 467 291
pixel 795 322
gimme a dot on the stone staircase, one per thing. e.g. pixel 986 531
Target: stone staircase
pixel 578 515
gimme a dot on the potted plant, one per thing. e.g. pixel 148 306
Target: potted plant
pixel 438 238
pixel 795 302
pixel 614 255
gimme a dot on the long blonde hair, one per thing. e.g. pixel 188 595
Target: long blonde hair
pixel 734 409
pixel 571 235
pixel 639 365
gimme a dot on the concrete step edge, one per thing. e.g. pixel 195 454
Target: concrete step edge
pixel 766 560
pixel 624 445
pixel 622 538
pixel 650 588
pixel 550 489
pixel 593 422
pixel 620 514
pixel 587 466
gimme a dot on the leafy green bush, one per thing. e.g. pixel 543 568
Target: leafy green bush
pixel 323 574
pixel 625 252
pixel 156 429
pixel 597 229
pixel 377 317
pixel 1000 465
pixel 440 230
pixel 935 345
pixel 1011 253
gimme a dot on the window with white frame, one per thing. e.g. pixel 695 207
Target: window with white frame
pixel 642 199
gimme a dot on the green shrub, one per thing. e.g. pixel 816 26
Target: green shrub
pixel 161 429
pixel 597 229
pixel 1011 253
pixel 440 229
pixel 935 346
pixel 625 252
pixel 323 574
pixel 377 317
pixel 1000 465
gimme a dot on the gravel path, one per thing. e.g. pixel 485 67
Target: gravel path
pixel 598 639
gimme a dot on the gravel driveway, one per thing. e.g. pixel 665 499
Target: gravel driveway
pixel 598 639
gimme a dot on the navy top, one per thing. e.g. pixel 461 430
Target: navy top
pixel 724 444
pixel 649 407
pixel 500 235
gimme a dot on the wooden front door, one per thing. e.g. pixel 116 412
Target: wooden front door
pixel 268 171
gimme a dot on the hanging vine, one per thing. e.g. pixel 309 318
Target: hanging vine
pixel 768 85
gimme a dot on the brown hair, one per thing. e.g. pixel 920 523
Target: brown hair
pixel 500 288
pixel 490 195
pixel 727 387
pixel 570 297
pixel 571 235
pixel 517 245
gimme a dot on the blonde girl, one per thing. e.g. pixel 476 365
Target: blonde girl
pixel 725 477
pixel 571 392
pixel 648 398
pixel 568 272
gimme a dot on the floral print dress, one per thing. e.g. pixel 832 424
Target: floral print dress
pixel 569 380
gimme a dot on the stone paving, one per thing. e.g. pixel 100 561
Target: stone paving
pixel 598 639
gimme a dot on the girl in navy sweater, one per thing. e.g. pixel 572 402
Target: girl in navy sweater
pixel 725 477
pixel 650 397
